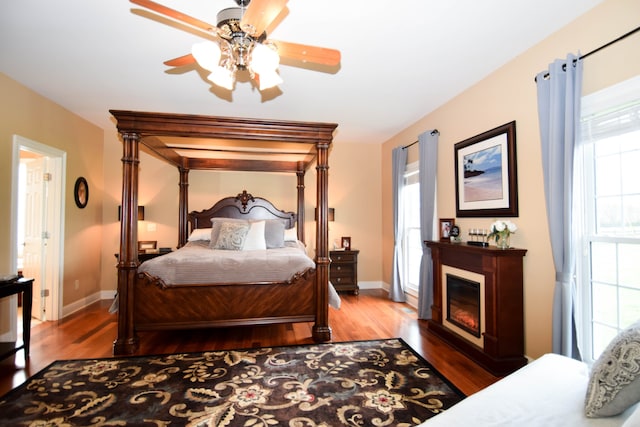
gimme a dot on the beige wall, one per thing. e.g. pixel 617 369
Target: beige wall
pixel 510 94
pixel 25 113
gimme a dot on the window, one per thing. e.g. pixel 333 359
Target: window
pixel 412 241
pixel 609 159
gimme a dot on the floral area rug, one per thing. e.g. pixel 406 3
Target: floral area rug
pixel 361 383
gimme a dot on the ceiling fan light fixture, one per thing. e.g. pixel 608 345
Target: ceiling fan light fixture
pixel 264 58
pixel 269 79
pixel 223 77
pixel 242 43
pixel 207 55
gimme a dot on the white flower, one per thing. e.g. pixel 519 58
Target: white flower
pixel 502 228
pixel 498 226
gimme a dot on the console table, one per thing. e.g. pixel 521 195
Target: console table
pixel 14 287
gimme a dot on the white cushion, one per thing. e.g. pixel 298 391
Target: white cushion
pixel 255 239
pixel 290 235
pixel 200 234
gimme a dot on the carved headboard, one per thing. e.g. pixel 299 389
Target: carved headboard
pixel 242 206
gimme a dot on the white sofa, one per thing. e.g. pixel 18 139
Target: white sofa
pixel 548 392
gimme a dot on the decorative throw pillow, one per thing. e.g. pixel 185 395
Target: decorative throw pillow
pixel 200 234
pixel 232 236
pixel 290 235
pixel 217 222
pixel 614 382
pixel 255 237
pixel 274 233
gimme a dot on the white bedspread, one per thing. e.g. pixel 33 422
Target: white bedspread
pixel 196 263
pixel 548 392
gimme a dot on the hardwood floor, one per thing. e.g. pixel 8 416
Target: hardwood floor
pixel 90 333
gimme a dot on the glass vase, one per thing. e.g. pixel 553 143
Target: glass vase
pixel 503 241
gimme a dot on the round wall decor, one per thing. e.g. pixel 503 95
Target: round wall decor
pixel 81 192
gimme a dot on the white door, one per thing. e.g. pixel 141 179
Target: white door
pixel 35 240
pixel 40 209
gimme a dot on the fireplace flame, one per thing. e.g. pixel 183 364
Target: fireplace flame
pixel 465 318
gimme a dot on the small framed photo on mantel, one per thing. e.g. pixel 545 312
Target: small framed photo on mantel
pixel 446 224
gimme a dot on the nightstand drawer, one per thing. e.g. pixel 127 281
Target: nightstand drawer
pixel 337 281
pixel 342 270
pixel 342 257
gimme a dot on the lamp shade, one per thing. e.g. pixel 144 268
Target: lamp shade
pixel 207 54
pixel 140 213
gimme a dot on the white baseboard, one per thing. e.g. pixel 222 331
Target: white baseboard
pixel 82 303
pixel 370 285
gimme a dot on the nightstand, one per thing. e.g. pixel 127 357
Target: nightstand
pixel 142 257
pixel 146 257
pixel 343 270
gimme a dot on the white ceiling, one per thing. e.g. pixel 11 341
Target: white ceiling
pixel 400 60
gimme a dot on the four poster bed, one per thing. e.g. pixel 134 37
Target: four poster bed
pixel 284 288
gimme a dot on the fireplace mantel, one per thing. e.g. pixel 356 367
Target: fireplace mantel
pixel 502 351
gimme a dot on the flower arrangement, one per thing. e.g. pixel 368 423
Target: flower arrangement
pixel 500 231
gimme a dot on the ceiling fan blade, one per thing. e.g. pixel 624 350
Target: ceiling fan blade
pixel 180 61
pixel 174 14
pixel 306 53
pixel 259 14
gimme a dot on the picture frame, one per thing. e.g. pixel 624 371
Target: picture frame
pixel 446 224
pixel 346 243
pixel 147 246
pixel 81 192
pixel 486 178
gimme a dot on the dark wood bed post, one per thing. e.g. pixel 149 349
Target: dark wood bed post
pixel 300 219
pixel 183 226
pixel 127 340
pixel 321 329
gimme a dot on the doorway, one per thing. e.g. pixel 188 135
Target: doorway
pixel 38 180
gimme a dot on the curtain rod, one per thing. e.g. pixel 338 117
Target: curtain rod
pixel 598 49
pixel 433 132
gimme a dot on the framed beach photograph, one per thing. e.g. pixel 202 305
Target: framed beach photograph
pixel 446 224
pixel 486 174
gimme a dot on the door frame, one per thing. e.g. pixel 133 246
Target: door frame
pixel 56 206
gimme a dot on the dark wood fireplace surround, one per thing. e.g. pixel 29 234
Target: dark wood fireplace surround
pixel 503 338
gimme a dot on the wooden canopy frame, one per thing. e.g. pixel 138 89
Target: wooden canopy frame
pixel 247 145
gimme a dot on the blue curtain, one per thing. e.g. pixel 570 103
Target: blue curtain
pixel 399 159
pixel 559 93
pixel 428 146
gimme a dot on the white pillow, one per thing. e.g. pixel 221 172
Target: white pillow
pixel 200 234
pixel 290 235
pixel 255 240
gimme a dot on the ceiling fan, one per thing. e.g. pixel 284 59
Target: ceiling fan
pixel 241 43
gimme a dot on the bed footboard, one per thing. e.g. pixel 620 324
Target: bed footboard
pixel 158 306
